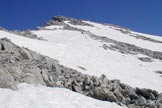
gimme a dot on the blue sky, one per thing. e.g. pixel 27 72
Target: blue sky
pixel 139 15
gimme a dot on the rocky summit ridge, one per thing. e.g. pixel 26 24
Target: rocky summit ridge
pixel 59 20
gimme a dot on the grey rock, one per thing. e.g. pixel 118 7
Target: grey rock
pixel 103 94
pixel 82 68
pixel 105 47
pixel 115 85
pixel 133 95
pixel 141 101
pixel 25 33
pixel 103 79
pixel 59 20
pixel 96 81
pixel 118 95
pixel 67 27
pixel 111 97
pixel 145 59
pixel 159 100
pixel 126 101
pixel 63 18
pixel 6 80
pixel 87 80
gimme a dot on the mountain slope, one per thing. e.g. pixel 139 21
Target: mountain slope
pixel 97 49
pixel 75 48
pixel 97 56
pixel 21 65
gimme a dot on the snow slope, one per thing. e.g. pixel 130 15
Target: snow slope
pixel 75 49
pixel 29 96
pixel 80 50
pixel 108 31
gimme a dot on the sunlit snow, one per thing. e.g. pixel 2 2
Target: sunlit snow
pixel 29 96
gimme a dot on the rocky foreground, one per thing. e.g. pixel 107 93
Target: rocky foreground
pixel 20 65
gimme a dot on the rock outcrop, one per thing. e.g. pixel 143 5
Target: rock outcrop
pixel 26 33
pixel 20 65
pixel 59 20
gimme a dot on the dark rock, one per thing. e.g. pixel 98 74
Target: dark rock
pixel 145 59
pixel 67 27
pixel 143 92
pixel 59 20
pixel 133 95
pixel 105 47
pixel 158 72
pixel 148 94
pixel 2 48
pixel 82 68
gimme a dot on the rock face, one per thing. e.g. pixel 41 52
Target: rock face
pixel 20 65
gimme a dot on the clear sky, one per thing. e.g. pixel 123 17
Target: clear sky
pixel 139 15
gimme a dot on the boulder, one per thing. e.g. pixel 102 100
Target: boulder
pixel 7 80
pixel 159 100
pixel 141 101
